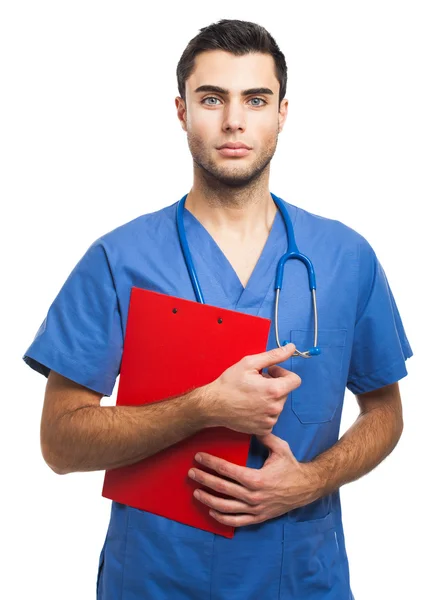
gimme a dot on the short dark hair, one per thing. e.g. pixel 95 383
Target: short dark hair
pixel 237 37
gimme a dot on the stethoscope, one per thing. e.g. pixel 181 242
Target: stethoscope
pixel 292 252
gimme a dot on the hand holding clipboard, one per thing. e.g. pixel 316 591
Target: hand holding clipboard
pixel 163 330
pixel 241 400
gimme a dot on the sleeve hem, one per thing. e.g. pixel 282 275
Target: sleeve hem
pixel 384 376
pixel 44 361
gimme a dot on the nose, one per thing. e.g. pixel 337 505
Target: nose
pixel 234 117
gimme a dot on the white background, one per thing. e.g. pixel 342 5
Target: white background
pixel 90 140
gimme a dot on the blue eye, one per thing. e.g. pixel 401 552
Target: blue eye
pixel 210 98
pixel 204 101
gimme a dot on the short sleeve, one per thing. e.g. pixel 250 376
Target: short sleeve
pixel 380 346
pixel 81 337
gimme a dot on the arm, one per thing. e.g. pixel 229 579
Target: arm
pixel 77 434
pixel 365 444
pixel 283 483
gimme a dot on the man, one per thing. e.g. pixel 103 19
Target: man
pixel 285 504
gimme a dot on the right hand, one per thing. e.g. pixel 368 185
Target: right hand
pixel 245 400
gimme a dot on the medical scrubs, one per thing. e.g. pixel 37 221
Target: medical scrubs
pixel 301 554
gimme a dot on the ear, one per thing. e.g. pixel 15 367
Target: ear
pixel 181 112
pixel 282 114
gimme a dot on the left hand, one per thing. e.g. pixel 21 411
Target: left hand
pixel 281 485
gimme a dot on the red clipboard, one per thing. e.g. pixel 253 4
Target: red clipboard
pixel 173 345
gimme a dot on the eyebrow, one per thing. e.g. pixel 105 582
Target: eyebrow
pixel 219 90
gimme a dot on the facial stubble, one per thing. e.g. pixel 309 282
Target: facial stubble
pixel 226 174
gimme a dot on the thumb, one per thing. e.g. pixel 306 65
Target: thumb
pixel 272 357
pixel 276 444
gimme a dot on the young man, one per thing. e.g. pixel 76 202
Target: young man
pixel 285 504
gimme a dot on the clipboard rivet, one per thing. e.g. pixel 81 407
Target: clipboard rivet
pixel 219 321
pixel 174 310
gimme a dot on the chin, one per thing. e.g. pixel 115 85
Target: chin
pixel 235 181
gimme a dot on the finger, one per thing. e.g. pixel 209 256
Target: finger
pixel 243 475
pixel 276 371
pixel 218 484
pixel 236 520
pixel 275 443
pixel 223 505
pixel 283 380
pixel 266 375
pixel 271 357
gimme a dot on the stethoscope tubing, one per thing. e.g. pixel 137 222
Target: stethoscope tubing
pixel 292 253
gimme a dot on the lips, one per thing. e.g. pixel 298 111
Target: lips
pixel 234 149
pixel 234 152
pixel 234 146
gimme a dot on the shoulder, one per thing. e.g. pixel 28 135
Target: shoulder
pixel 328 232
pixel 136 233
pixel 143 224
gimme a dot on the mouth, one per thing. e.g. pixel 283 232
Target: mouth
pixel 234 152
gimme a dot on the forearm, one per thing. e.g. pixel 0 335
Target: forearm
pixel 364 445
pixel 95 438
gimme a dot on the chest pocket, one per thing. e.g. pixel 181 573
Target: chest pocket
pixel 322 386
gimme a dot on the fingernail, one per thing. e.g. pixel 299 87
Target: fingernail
pixel 198 457
pixel 192 474
pixel 196 494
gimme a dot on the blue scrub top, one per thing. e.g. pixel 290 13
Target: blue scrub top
pixel 364 346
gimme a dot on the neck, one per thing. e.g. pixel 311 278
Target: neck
pixel 239 212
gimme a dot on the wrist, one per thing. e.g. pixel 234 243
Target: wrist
pixel 203 399
pixel 317 479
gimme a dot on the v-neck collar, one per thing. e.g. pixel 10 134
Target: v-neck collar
pixel 218 279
